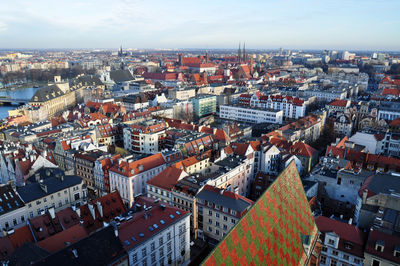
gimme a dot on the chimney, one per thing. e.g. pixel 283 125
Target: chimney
pixel 351 221
pixel 43 186
pixel 52 213
pixel 100 208
pixel 92 211
pixel 78 211
pixel 75 252
pixel 37 177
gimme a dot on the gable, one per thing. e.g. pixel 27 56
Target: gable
pixel 273 230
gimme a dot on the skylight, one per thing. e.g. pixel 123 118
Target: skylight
pixel 178 212
pixel 172 216
pixel 141 234
pixel 151 228
pixel 133 239
pixel 162 221
pixel 155 226
pixel 127 242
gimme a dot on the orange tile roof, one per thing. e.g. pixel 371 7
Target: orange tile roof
pixel 58 241
pixel 167 179
pixel 302 149
pixel 138 166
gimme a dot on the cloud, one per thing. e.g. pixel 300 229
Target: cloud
pixel 3 26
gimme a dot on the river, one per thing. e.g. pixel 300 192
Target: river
pixel 26 93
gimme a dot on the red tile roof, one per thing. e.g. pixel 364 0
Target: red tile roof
pixel 112 206
pixel 346 233
pixel 168 178
pixel 136 231
pixel 60 240
pixel 339 103
pixel 21 236
pixel 302 149
pixel 390 241
pixel 139 166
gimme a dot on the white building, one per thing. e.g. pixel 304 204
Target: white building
pixel 129 177
pixel 12 209
pixel 158 235
pixel 292 107
pixel 144 138
pixel 251 115
pixel 342 242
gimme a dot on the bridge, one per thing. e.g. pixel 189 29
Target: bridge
pixel 6 100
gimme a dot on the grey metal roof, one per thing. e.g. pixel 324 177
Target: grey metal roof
pixel 385 183
pixel 33 191
pixel 238 205
pixel 47 93
pixel 121 75
pixel 9 200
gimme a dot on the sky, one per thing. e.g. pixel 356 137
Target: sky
pixel 262 24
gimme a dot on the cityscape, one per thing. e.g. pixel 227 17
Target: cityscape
pixel 246 146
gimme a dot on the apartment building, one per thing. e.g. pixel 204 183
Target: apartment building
pixel 292 107
pixel 157 235
pixel 49 187
pixel 12 209
pixel 146 137
pixel 219 210
pixel 342 243
pixel 251 115
pixel 129 176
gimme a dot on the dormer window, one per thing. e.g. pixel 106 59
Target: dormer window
pixel 396 251
pixel 348 245
pixel 380 245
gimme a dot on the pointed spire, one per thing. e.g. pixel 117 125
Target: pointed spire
pixel 244 52
pixel 239 53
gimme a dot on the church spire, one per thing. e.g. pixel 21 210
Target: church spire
pixel 244 52
pixel 239 53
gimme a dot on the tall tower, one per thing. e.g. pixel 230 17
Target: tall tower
pixel 239 53
pixel 244 53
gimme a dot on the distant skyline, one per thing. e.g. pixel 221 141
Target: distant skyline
pixel 294 24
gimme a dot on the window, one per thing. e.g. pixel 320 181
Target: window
pixel 153 258
pixel 209 229
pixel 31 214
pixel 335 253
pixel 22 219
pixel 331 242
pixel 345 257
pixel 217 215
pixel 324 249
pixel 168 236
pixel 134 258
pixel 225 218
pixel 210 212
pixel 15 221
pixel 217 224
pixel 323 259
pixel 225 227
pixel 376 262
pixel 152 246
pixel 169 248
pixel 161 241
pixel 333 262
pixel 357 261
pixel 233 221
pixel 209 221
pixel 144 252
pixel 161 252
pixel 339 181
pixel 217 232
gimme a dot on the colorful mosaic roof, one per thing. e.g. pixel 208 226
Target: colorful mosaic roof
pixel 279 229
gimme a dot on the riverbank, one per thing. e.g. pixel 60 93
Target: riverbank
pixel 23 86
pixel 21 93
